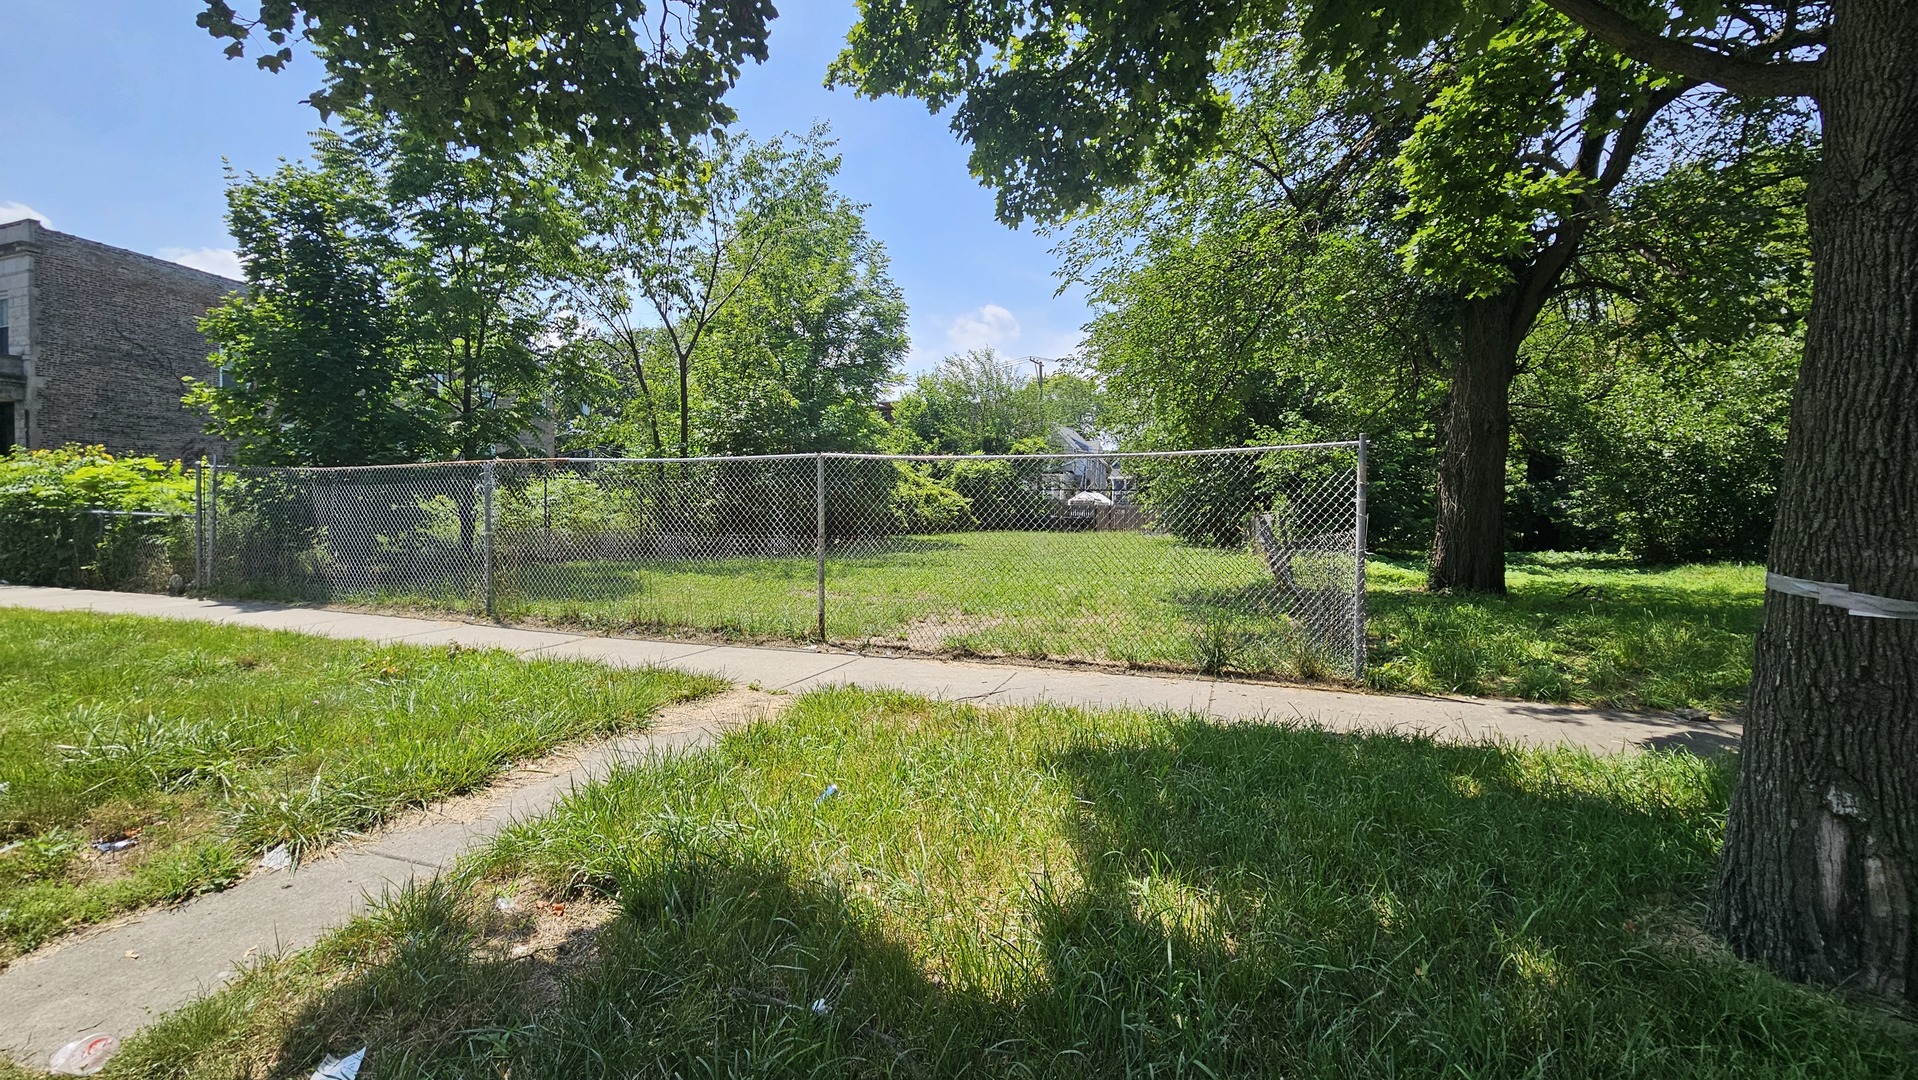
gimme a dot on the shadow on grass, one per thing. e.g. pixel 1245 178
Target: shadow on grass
pixel 1244 900
pixel 1613 636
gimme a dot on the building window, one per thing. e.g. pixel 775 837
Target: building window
pixel 5 347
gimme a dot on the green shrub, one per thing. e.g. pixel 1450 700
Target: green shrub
pixel 66 518
pixel 1003 495
pixel 921 503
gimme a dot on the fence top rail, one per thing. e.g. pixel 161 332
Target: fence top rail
pixel 1082 455
pixel 1051 455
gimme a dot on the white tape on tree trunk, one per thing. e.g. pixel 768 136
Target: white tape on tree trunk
pixel 1831 594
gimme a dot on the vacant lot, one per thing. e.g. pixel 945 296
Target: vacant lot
pixel 1579 628
pixel 1117 597
pixel 207 745
pixel 1042 892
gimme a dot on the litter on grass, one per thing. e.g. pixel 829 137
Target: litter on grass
pixel 831 790
pixel 342 1068
pixel 277 859
pixel 108 847
pixel 83 1057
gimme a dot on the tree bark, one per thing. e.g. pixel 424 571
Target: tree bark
pixel 1817 878
pixel 1468 546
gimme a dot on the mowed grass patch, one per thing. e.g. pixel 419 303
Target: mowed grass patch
pixel 1044 892
pixel 1126 598
pixel 1578 628
pixel 206 745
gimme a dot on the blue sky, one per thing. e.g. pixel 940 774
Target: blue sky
pixel 121 111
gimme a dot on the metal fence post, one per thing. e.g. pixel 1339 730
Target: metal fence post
pixel 819 546
pixel 199 524
pixel 212 522
pixel 1359 529
pixel 487 481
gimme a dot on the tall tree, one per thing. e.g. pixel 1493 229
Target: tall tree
pixel 1820 871
pixel 403 303
pixel 682 254
pixel 969 404
pixel 313 366
pixel 1519 146
pixel 488 249
pixel 797 360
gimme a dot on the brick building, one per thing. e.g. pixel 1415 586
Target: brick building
pixel 94 342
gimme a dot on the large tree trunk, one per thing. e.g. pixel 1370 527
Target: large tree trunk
pixel 1468 546
pixel 1818 872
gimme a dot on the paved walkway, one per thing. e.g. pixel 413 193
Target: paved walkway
pixel 120 977
pixel 794 670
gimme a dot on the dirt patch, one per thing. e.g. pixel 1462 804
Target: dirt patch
pixel 930 633
pixel 546 939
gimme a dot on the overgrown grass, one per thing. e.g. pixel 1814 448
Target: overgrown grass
pixel 1044 892
pixel 1575 628
pixel 1579 628
pixel 209 744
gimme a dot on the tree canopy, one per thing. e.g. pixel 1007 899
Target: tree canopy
pixel 631 81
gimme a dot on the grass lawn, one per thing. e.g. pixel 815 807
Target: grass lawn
pixel 1115 597
pixel 1581 628
pixel 1042 892
pixel 1590 629
pixel 208 745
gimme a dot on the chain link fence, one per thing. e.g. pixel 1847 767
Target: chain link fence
pixel 1246 561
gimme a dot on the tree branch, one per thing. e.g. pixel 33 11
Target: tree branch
pixel 1782 78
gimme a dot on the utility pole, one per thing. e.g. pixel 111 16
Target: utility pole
pixel 1040 363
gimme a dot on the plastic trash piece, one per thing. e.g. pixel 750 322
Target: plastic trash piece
pixel 831 790
pixel 344 1068
pixel 820 1008
pixel 277 859
pixel 108 847
pixel 84 1057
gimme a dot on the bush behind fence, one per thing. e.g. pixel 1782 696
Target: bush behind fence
pixel 1244 560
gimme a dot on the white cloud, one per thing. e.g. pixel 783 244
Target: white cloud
pixel 222 261
pixel 13 211
pixel 988 327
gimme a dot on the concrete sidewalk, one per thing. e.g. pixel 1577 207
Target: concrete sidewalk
pixel 795 670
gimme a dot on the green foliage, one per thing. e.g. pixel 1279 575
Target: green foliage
pixel 213 744
pixel 1231 313
pixel 400 300
pixel 979 402
pixel 65 518
pixel 797 361
pixel 633 82
pixel 1003 494
pixel 1665 462
pixel 313 365
pixel 923 503
pixel 772 322
pixel 1485 184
